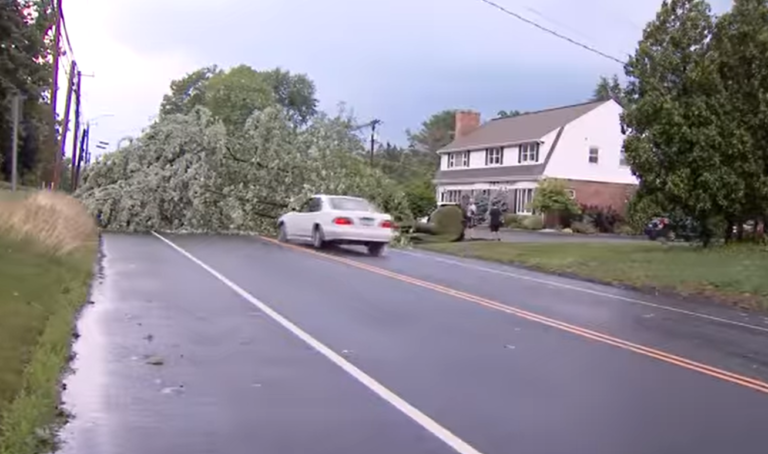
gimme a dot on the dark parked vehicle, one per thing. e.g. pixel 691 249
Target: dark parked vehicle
pixel 671 229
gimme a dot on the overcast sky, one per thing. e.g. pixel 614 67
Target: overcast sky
pixel 397 60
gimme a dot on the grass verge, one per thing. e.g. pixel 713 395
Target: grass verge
pixel 731 274
pixel 47 250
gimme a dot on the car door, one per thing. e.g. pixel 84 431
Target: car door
pixel 305 217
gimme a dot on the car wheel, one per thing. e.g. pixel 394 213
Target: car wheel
pixel 318 238
pixel 282 234
pixel 377 249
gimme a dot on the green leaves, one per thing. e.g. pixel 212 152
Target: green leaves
pixel 695 110
pixel 551 197
pixel 233 95
pixel 608 89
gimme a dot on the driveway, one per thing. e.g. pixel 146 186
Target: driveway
pixel 205 344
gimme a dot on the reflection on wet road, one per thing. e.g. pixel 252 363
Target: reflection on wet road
pixel 233 345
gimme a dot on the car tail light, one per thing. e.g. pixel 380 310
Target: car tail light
pixel 342 221
pixel 387 224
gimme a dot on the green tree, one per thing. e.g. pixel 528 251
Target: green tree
pixel 435 133
pixel 608 89
pixel 25 68
pixel 740 50
pixel 678 142
pixel 188 92
pixel 234 95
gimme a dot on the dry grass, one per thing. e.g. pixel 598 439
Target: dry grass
pixel 48 244
pixel 55 221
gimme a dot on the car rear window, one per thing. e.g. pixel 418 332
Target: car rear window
pixel 350 204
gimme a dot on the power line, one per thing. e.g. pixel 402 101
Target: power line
pixel 66 34
pixel 554 33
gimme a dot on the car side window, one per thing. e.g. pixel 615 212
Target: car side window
pixel 306 206
pixel 315 205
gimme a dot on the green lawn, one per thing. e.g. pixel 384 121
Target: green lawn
pixel 732 274
pixel 39 297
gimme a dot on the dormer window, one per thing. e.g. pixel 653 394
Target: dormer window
pixel 528 153
pixel 494 156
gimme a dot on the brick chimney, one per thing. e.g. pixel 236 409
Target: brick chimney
pixel 466 122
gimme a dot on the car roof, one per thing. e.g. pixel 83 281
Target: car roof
pixel 325 196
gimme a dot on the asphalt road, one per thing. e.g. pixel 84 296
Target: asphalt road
pixel 240 345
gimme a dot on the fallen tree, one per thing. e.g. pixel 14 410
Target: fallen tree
pixel 188 173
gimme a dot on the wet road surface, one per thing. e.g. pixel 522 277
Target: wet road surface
pixel 240 345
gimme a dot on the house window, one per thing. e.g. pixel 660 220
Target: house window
pixel 594 154
pixel 528 153
pixel 623 159
pixel 523 199
pixel 450 196
pixel 460 159
pixel 494 156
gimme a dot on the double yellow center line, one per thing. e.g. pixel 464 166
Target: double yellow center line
pixel 583 332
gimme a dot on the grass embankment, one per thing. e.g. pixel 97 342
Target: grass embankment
pixel 47 248
pixel 732 274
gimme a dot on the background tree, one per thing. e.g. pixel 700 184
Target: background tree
pixel 25 51
pixel 508 113
pixel 188 92
pixel 608 89
pixel 233 95
pixel 435 133
pixel 740 51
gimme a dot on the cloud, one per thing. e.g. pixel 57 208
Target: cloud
pixel 398 60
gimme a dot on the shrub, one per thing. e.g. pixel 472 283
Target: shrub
pixel 567 230
pixel 551 198
pixel 603 219
pixel 513 221
pixel 533 223
pixel 448 222
pixel 583 227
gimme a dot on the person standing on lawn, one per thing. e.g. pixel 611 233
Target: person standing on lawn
pixel 471 219
pixel 495 216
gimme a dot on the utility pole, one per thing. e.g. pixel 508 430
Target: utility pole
pixel 67 105
pixel 75 142
pixel 81 156
pixel 56 170
pixel 16 112
pixel 374 123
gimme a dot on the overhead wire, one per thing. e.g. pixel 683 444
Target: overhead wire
pixel 554 33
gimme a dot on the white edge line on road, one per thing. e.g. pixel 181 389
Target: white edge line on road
pixel 369 382
pixel 583 290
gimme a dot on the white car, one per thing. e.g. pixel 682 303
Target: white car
pixel 332 219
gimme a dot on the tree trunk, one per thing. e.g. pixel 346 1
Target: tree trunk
pixel 740 230
pixel 728 234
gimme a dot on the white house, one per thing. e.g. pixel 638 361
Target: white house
pixel 581 144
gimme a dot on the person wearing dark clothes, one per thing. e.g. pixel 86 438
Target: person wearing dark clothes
pixel 495 216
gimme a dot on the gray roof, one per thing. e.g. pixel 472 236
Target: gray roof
pixel 500 173
pixel 528 127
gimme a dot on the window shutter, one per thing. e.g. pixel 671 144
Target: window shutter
pixel 520 154
pixel 487 152
pixel 501 156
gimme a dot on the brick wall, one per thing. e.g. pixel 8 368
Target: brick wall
pixel 602 194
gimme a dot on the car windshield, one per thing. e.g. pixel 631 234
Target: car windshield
pixel 350 204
